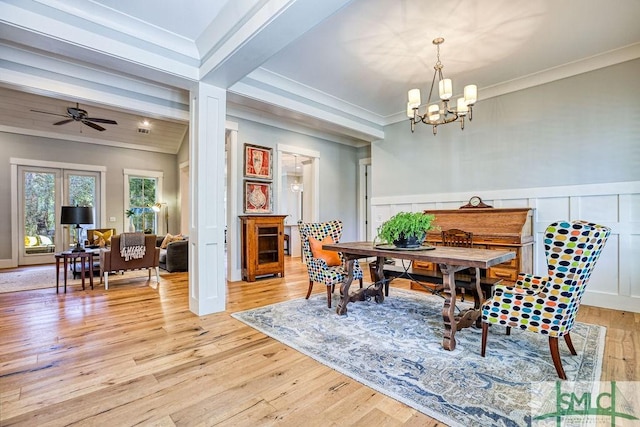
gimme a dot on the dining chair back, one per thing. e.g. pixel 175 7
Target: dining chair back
pixel 323 266
pixel 457 237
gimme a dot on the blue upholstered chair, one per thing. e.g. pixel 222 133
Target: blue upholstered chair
pixel 317 267
pixel 548 304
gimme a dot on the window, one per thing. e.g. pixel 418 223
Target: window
pixel 142 191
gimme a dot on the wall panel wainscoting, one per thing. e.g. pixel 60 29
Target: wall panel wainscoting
pixel 615 283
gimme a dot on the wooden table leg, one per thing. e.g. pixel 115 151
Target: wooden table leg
pixel 449 307
pixel 57 273
pixel 478 299
pixel 83 259
pixel 91 270
pixel 66 266
pixel 376 291
pixel 344 289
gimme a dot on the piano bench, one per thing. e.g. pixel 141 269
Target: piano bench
pixel 419 276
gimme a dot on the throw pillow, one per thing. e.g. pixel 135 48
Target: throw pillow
pixel 45 240
pixel 168 239
pixel 103 238
pixel 332 258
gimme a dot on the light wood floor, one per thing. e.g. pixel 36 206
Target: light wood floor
pixel 137 356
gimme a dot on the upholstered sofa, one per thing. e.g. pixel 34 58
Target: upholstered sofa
pixel 175 257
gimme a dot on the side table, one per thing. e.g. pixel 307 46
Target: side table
pixel 69 256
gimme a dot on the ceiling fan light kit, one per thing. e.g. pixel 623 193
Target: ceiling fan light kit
pixel 440 113
pixel 77 114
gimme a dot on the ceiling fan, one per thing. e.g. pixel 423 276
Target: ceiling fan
pixel 77 114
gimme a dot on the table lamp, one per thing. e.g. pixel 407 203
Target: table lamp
pixel 77 215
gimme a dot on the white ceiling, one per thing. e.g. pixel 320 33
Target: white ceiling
pixel 336 68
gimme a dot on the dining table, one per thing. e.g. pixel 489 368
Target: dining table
pixel 449 259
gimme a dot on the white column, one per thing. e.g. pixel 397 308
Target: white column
pixel 207 284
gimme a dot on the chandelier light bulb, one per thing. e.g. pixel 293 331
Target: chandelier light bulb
pixel 470 94
pixel 434 112
pixel 462 108
pixel 410 110
pixel 414 98
pixel 446 89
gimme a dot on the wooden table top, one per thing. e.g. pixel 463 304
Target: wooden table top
pixel 471 257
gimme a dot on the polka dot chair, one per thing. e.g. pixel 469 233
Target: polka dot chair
pixel 316 267
pixel 548 304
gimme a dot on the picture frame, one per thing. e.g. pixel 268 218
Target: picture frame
pixel 258 197
pixel 258 162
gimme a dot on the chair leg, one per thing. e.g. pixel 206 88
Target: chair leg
pixel 508 330
pixel 106 280
pixel 555 355
pixel 485 332
pixel 329 295
pixel 309 291
pixel 567 339
pixel 361 283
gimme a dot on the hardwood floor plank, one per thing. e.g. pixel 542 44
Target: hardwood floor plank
pixel 136 355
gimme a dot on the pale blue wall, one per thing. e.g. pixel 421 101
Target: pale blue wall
pixel 338 169
pixel 580 130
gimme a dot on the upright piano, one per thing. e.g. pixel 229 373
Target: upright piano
pixel 493 228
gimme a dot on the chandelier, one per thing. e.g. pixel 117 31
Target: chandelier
pixel 297 187
pixel 440 113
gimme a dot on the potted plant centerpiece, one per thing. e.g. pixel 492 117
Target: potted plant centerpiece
pixel 406 229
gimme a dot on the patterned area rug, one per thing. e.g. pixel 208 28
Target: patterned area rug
pixel 396 349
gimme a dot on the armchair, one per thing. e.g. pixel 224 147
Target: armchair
pixel 328 268
pixel 112 261
pixel 548 304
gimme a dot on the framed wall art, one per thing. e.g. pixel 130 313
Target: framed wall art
pixel 257 197
pixel 258 162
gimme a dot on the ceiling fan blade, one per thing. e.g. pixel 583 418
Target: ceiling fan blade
pixel 47 112
pixel 62 122
pixel 93 125
pixel 107 121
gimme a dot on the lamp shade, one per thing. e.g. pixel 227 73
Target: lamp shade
pixel 76 215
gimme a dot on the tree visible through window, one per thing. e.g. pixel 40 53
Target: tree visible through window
pixel 142 195
pixel 39 207
pixel 82 190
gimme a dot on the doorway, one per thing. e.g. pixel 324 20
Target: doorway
pixel 42 191
pixel 298 179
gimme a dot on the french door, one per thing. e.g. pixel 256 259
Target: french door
pixel 41 193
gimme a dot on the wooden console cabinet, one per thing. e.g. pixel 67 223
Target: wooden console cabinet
pixel 493 228
pixel 262 238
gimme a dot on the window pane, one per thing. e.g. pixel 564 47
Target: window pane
pixel 82 190
pixel 142 195
pixel 39 212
